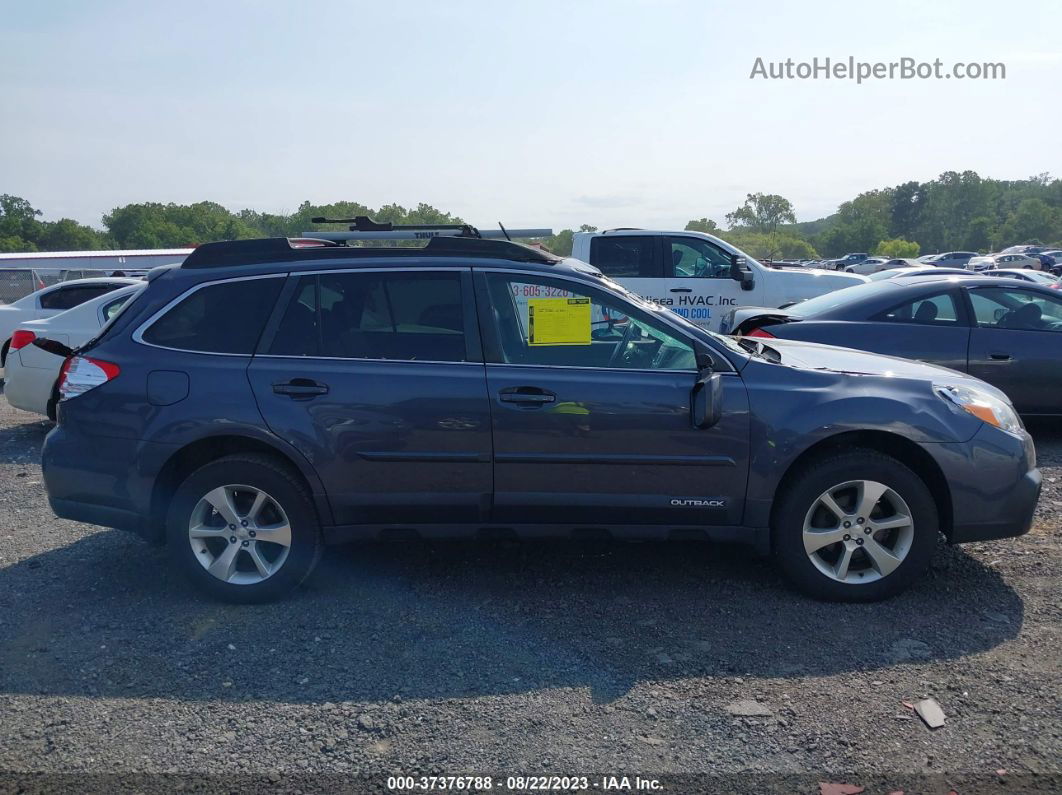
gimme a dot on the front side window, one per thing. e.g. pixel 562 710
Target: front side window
pixel 553 322
pixel 691 257
pixel 1014 308
pixel 226 317
pixel 934 310
pixel 395 316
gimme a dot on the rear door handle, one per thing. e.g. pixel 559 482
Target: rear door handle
pixel 300 388
pixel 1000 357
pixel 681 290
pixel 532 395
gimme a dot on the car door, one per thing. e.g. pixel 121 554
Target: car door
pixel 1016 344
pixel 930 328
pixel 591 419
pixel 698 281
pixel 376 377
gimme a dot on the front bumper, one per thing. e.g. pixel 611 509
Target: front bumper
pixel 1013 518
pixel 993 482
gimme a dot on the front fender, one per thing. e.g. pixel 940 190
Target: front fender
pixel 795 409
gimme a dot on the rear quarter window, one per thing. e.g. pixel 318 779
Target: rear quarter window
pixel 226 317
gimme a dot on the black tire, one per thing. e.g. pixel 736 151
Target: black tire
pixel 801 494
pixel 285 488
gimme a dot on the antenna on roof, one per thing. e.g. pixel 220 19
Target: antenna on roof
pixel 504 232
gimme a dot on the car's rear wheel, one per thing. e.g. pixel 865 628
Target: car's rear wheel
pixel 244 529
pixel 860 526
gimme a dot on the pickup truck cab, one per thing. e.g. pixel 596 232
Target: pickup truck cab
pixel 698 276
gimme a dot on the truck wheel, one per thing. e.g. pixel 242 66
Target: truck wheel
pixel 244 529
pixel 856 527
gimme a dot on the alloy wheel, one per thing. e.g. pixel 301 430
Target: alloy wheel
pixel 239 534
pixel 858 531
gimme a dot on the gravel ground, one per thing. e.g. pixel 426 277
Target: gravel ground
pixel 515 659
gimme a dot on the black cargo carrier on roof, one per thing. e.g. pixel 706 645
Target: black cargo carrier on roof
pixel 281 249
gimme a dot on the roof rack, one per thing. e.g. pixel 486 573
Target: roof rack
pixel 364 228
pixel 281 249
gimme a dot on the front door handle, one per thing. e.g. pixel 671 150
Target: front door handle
pixel 1000 357
pixel 528 395
pixel 681 290
pixel 300 388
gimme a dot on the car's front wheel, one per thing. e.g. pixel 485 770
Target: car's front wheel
pixel 859 526
pixel 244 529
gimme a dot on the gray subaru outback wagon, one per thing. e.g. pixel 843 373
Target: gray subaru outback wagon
pixel 269 396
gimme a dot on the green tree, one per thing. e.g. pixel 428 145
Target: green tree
pixel 897 247
pixel 1032 220
pixel 763 213
pixel 706 225
pixel 19 227
pixel 68 235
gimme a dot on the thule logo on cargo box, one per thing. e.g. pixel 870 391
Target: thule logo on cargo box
pixel 691 503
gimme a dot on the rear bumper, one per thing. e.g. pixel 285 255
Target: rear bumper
pixel 27 388
pixel 102 481
pixel 103 515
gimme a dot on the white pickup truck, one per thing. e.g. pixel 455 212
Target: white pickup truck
pixel 697 275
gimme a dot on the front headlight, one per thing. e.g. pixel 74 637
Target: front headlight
pixel 984 406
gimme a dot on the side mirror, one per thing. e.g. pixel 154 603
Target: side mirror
pixel 739 272
pixel 53 346
pixel 706 401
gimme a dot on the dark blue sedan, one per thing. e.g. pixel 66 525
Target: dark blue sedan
pixel 1001 331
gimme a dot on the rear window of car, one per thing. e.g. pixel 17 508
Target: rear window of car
pixel 624 256
pixel 833 300
pixel 63 298
pixel 225 317
pixel 396 316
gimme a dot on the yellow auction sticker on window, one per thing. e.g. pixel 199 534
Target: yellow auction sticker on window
pixel 558 321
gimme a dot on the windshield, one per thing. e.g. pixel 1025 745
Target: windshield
pixel 1043 278
pixel 892 272
pixel 828 301
pixel 674 317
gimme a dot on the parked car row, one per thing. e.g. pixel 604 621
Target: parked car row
pixel 264 398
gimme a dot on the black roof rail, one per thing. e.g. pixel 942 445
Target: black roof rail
pixel 230 253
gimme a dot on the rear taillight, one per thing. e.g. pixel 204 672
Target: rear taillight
pixel 20 339
pixel 80 374
pixel 758 332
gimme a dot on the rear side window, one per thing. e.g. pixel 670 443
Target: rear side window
pixel 937 310
pixel 624 256
pixel 68 297
pixel 220 318
pixel 396 316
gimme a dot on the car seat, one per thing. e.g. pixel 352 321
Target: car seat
pixel 1024 317
pixel 926 313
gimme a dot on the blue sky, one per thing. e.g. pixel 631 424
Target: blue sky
pixel 547 113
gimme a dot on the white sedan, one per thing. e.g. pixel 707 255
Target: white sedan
pixel 1004 261
pixel 31 371
pixel 51 301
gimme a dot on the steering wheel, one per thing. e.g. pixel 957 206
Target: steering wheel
pixel 622 345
